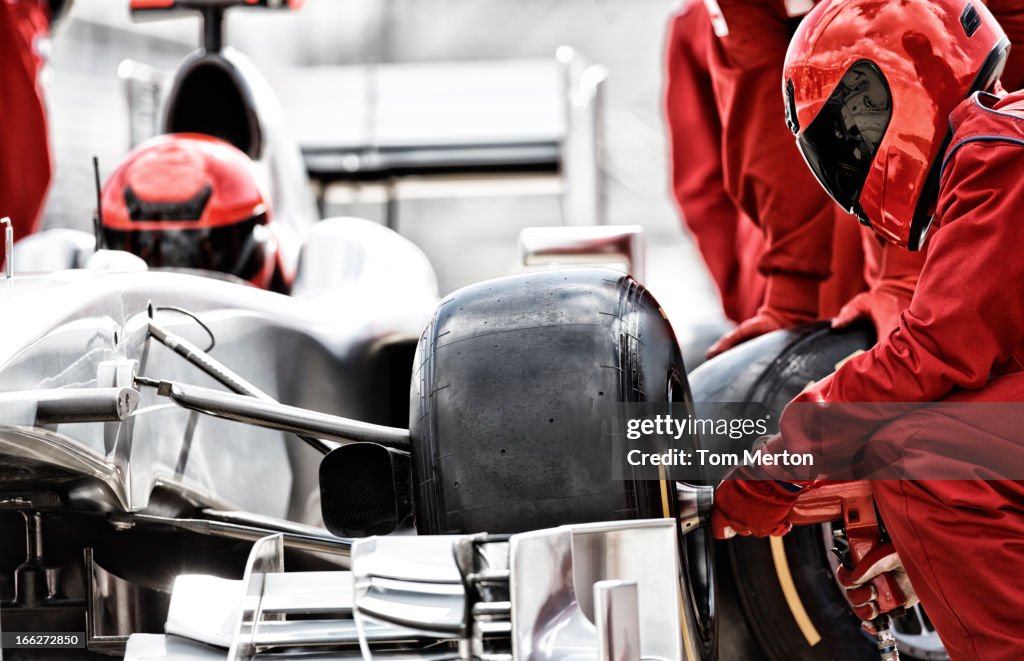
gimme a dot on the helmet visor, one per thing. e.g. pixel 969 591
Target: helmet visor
pixel 233 249
pixel 840 144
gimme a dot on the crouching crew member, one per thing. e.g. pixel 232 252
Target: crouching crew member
pixel 899 114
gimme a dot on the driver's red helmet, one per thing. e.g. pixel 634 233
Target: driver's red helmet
pixel 869 86
pixel 191 201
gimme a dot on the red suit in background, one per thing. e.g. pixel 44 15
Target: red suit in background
pixel 25 162
pixel 730 244
pixel 1010 14
pixel 763 171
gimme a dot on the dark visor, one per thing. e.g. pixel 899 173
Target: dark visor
pixel 233 249
pixel 841 142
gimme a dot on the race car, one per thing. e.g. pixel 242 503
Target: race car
pixel 163 438
pixel 156 512
pixel 156 424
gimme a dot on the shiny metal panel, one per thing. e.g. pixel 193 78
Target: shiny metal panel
pixel 266 557
pixel 116 606
pixel 408 583
pixel 148 647
pixel 308 592
pixel 415 559
pixel 617 617
pixel 553 574
pixel 406 594
pixel 578 245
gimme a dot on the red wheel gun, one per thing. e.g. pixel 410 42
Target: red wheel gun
pixel 853 504
pixel 850 502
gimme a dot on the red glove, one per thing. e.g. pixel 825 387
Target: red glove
pixel 751 506
pixel 882 305
pixel 889 295
pixel 750 502
pixel 789 301
pixel 857 581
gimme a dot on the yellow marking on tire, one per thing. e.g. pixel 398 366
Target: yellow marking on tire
pixel 667 513
pixel 796 605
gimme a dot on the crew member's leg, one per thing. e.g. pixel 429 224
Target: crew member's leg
pixel 25 162
pixel 847 279
pixel 750 283
pixel 695 140
pixel 962 541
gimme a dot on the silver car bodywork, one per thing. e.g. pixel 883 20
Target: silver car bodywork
pixel 607 590
pixel 591 591
pixel 361 292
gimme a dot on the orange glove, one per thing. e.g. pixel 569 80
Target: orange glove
pixel 789 301
pixel 857 581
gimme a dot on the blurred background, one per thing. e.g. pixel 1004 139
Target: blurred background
pixel 438 66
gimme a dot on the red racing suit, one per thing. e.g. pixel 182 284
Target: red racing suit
pixel 961 340
pixel 729 243
pixel 764 172
pixel 25 162
pixel 766 175
pixel 1010 14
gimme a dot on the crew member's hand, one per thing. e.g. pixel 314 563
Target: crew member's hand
pixel 882 305
pixel 857 581
pixel 891 290
pixel 764 322
pixel 751 507
pixel 790 301
pixel 750 502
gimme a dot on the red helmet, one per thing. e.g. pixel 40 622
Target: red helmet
pixel 869 86
pixel 191 201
